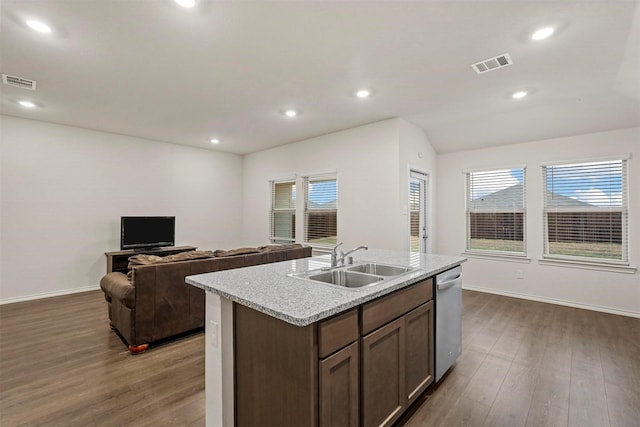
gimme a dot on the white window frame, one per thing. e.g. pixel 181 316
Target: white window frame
pixel 292 210
pixel 469 210
pixel 309 178
pixel 623 209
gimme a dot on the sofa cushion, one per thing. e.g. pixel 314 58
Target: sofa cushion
pixel 187 256
pixel 271 248
pixel 233 252
pixel 144 259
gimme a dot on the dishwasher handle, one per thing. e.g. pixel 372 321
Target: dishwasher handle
pixel 449 283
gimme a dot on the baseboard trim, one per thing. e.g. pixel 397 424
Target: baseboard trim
pixel 552 301
pixel 48 294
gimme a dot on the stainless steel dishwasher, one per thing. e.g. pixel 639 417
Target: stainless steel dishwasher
pixel 448 319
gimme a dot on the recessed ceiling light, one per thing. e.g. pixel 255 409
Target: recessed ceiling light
pixel 542 33
pixel 363 93
pixel 215 141
pixel 519 95
pixel 291 113
pixel 27 104
pixel 38 26
pixel 186 3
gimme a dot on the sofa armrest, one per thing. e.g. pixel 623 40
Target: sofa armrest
pixel 116 285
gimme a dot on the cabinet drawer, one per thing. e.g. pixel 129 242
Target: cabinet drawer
pixel 337 332
pixel 383 310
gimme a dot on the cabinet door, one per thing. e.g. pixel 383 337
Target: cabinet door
pixel 383 374
pixel 419 363
pixel 340 389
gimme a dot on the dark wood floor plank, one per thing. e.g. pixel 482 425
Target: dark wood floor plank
pixel 485 384
pixel 546 414
pixel 550 400
pixel 587 400
pixel 61 365
pixel 439 401
pixel 532 348
pixel 540 339
pixel 509 342
pixel 466 412
pixel 624 406
pixel 512 403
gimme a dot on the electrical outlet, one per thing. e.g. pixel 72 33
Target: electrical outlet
pixel 213 334
pixel 519 274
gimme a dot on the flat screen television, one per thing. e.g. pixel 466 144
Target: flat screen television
pixel 140 232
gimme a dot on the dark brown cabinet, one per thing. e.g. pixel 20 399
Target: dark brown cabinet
pixel 397 365
pixel 339 371
pixel 419 351
pixel 276 371
pixel 383 377
pixel 339 398
pixel 363 367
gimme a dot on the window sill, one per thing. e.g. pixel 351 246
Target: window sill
pixel 499 257
pixel 588 265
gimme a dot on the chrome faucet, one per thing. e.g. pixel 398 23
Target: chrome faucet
pixel 342 255
pixel 334 255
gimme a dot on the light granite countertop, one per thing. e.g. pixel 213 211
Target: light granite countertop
pixel 268 288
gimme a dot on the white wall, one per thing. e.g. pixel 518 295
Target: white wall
pixel 372 163
pixel 417 153
pixel 609 291
pixel 63 190
pixel 365 159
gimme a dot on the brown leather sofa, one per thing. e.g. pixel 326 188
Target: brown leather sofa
pixel 156 303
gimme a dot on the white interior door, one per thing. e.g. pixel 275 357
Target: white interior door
pixel 418 224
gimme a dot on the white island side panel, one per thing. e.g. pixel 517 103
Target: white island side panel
pixel 219 361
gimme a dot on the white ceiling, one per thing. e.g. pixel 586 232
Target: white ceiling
pixel 228 68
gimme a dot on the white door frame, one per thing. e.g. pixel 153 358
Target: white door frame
pixel 425 231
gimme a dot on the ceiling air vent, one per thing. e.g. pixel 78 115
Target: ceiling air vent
pixel 492 63
pixel 18 82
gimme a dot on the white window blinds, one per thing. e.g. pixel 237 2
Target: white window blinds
pixel 283 211
pixel 496 211
pixel 321 210
pixel 585 211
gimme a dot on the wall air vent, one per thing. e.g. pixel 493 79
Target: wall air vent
pixel 18 82
pixel 491 64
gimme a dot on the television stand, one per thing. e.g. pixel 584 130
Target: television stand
pixel 119 260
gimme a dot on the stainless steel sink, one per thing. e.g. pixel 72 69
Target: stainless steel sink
pixel 356 276
pixel 380 269
pixel 346 279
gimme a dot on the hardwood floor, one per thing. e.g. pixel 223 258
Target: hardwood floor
pixel 61 365
pixel 523 363
pixel 526 363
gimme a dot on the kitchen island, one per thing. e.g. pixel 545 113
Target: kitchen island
pixel 277 343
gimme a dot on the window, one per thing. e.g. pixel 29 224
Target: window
pixel 496 212
pixel 585 211
pixel 320 210
pixel 283 211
